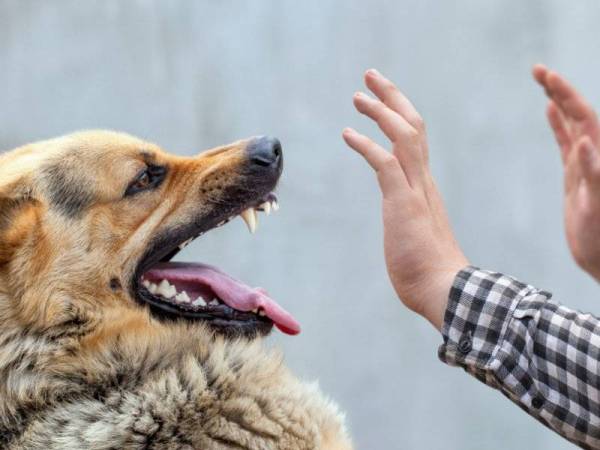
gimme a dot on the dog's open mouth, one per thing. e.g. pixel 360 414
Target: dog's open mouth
pixel 195 291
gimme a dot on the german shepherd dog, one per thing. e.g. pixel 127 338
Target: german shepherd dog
pixel 107 344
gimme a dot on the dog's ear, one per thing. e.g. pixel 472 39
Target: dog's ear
pixel 18 215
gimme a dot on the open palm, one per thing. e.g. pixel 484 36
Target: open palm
pixel 577 131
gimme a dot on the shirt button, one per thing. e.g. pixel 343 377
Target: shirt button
pixel 537 402
pixel 465 345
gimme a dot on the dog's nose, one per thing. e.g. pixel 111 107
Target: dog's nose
pixel 265 151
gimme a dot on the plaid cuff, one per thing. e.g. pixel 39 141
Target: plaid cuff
pixel 480 306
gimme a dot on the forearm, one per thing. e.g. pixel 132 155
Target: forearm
pixel 541 355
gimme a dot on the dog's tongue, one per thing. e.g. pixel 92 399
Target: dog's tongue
pixel 232 292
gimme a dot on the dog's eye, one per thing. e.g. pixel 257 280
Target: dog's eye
pixel 149 178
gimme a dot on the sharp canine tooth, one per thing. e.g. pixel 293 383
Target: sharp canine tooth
pixel 153 288
pixel 146 284
pixel 249 216
pixel 214 302
pixel 266 206
pixel 275 205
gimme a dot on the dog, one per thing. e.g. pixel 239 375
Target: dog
pixel 105 342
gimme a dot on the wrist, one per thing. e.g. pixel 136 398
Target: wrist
pixel 435 300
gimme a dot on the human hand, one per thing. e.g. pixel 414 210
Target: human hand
pixel 577 132
pixel 422 255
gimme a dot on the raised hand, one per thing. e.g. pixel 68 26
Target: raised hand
pixel 577 131
pixel 422 256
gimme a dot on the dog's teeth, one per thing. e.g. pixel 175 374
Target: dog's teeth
pixel 213 302
pixel 255 310
pixel 249 216
pixel 266 207
pixel 146 283
pixel 185 244
pixel 166 289
pixel 152 288
pixel 261 313
pixel 275 205
pixel 199 302
pixel 182 297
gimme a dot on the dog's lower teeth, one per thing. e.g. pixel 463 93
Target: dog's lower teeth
pixel 166 289
pixel 199 302
pixel 214 302
pixel 261 313
pixel 182 297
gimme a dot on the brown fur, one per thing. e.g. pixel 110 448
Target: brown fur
pixel 82 364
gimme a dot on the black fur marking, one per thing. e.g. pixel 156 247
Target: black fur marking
pixel 66 190
pixel 115 284
pixel 6 436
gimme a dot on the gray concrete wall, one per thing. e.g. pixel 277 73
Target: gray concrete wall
pixel 194 74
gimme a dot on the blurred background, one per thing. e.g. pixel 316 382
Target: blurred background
pixel 192 75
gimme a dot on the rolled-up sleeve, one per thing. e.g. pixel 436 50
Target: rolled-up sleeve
pixel 541 355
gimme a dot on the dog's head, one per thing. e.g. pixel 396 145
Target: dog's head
pixel 89 223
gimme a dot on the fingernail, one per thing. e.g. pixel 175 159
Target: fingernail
pixel 347 131
pixel 373 72
pixel 358 95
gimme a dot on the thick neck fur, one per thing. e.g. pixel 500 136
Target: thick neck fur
pixel 172 384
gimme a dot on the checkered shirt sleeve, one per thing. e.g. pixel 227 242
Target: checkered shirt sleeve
pixel 541 355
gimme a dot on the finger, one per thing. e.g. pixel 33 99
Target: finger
pixel 589 162
pixel 405 137
pixel 572 104
pixel 391 96
pixel 389 171
pixel 573 175
pixel 539 72
pixel 561 131
pixel 393 125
